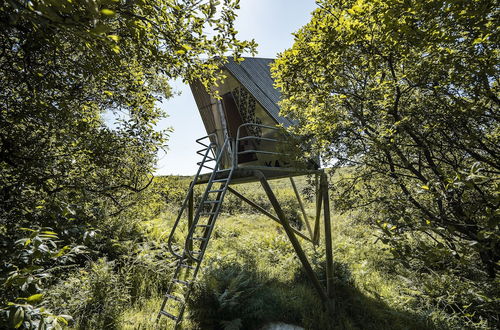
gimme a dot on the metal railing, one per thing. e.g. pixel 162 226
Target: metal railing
pixel 240 138
pixel 210 147
pixel 199 210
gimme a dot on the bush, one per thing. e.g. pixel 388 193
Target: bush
pixel 94 296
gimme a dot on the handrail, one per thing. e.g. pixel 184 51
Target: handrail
pixel 187 249
pixel 204 137
pixel 191 190
pixel 238 139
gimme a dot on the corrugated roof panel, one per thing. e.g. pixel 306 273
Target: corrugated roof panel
pixel 255 75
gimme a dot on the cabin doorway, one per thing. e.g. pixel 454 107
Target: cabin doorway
pixel 235 120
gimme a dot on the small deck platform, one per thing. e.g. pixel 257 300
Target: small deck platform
pixel 246 174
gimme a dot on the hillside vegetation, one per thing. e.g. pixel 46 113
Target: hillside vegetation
pixel 251 275
pixel 400 98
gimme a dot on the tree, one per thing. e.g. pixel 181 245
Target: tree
pixel 406 94
pixel 80 83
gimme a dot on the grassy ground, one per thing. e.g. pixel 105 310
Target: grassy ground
pixel 251 276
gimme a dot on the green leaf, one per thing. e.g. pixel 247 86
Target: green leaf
pixel 17 318
pixel 34 298
pixel 108 12
pixel 114 37
pixel 48 232
pixel 65 318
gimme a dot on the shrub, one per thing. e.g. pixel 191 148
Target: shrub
pixel 146 270
pixel 95 296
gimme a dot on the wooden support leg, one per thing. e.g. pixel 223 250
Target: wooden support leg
pixel 328 235
pixel 304 214
pixel 319 200
pixel 296 244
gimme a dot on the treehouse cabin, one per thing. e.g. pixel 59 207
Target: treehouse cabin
pixel 248 114
pixel 246 142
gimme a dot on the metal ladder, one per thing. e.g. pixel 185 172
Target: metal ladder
pixel 189 262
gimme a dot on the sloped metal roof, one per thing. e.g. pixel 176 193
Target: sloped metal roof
pixel 255 75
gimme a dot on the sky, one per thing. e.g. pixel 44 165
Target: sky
pixel 271 23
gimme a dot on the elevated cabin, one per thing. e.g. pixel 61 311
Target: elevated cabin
pixel 244 144
pixel 248 114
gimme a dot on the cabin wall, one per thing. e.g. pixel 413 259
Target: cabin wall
pixel 237 106
pixel 250 111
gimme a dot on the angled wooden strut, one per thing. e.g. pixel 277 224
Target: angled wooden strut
pixel 296 244
pixel 304 214
pixel 265 212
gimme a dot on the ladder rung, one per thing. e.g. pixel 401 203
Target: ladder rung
pixel 204 226
pixel 216 191
pixel 195 252
pixel 186 283
pixel 199 239
pixel 169 296
pixel 209 202
pixel 207 213
pixel 167 314
pixel 219 180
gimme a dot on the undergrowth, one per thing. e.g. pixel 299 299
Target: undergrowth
pixel 250 276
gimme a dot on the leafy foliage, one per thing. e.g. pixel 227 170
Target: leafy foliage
pixel 235 298
pixel 406 94
pixel 39 259
pixel 79 91
pixel 96 296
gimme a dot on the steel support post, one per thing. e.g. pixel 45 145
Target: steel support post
pixel 319 200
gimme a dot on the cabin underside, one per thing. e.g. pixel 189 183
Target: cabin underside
pixel 246 174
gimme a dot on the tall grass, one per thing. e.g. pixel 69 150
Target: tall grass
pixel 250 275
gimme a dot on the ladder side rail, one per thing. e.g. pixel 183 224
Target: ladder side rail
pixel 197 267
pixel 204 198
pixel 212 220
pixel 169 290
pixel 184 204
